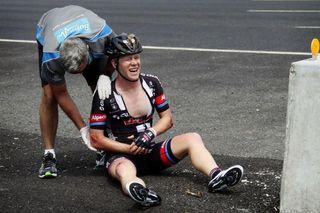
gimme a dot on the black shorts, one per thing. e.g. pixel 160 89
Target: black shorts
pixel 161 157
pixel 91 72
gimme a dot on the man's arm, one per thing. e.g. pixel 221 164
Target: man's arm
pixel 66 103
pixel 99 141
pixel 145 139
pixel 164 123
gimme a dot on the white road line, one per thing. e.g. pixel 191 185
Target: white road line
pixel 194 49
pixel 227 50
pixel 307 27
pixel 283 11
pixel 17 41
pixel 286 0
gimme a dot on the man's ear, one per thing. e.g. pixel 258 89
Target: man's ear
pixel 114 63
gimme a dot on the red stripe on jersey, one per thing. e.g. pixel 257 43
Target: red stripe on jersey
pixel 160 99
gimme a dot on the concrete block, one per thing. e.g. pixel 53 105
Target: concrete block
pixel 300 186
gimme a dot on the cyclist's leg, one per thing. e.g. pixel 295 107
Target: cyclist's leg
pixel 125 171
pixel 191 144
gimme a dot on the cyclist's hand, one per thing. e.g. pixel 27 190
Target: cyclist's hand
pixel 135 150
pixel 144 139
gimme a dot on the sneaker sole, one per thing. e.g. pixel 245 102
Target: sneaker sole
pixel 232 169
pixel 237 169
pixel 146 203
pixel 220 189
pixel 48 175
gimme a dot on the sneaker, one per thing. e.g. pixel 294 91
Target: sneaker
pixel 225 178
pixel 48 167
pixel 143 195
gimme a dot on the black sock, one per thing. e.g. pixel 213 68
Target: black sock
pixel 214 172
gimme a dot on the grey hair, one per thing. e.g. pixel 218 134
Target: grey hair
pixel 73 51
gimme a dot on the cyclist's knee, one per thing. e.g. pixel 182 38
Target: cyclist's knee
pixel 125 168
pixel 183 144
pixel 193 138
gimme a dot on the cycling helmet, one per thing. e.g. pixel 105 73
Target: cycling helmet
pixel 123 44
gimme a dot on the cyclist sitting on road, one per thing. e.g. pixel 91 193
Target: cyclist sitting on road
pixel 126 116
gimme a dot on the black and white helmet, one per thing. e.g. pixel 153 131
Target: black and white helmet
pixel 123 44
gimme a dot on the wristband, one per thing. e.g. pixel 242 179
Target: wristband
pixel 153 131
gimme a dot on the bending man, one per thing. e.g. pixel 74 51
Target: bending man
pixel 70 39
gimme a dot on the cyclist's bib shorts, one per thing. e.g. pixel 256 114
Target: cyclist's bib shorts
pixel 161 157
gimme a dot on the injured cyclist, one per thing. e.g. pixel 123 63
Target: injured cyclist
pixel 121 126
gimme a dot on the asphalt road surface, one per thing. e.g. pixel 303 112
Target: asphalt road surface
pixel 234 94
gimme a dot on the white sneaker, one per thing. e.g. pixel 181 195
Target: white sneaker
pixel 225 178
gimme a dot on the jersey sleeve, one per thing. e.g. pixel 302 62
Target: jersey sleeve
pixel 161 102
pixel 98 115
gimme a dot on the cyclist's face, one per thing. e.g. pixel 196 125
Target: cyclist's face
pixel 129 66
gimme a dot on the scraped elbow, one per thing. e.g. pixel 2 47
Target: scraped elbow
pixel 96 139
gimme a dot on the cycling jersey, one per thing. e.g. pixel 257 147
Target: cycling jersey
pixel 113 114
pixel 57 25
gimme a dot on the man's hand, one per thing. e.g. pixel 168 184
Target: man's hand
pixel 85 134
pixel 135 150
pixel 144 139
pixel 104 87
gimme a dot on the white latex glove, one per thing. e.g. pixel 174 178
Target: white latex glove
pixel 104 87
pixel 85 134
